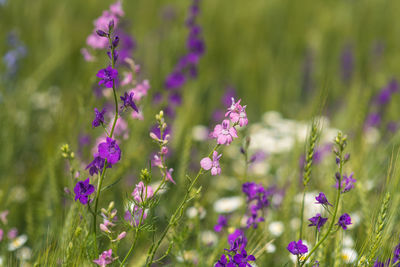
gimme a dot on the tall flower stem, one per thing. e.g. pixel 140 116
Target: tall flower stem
pixel 100 181
pixel 153 249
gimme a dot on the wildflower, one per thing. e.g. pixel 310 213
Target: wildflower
pixel 168 175
pixel 349 255
pixel 223 262
pixel 128 101
pixel 297 248
pixel 237 241
pixel 378 263
pixel 175 80
pixel 396 254
pixel 242 259
pixel 82 190
pixel 99 117
pixel 107 75
pixel 237 113
pixel 321 199
pixel 276 228
pixel 1 234
pixel 104 228
pixel 157 161
pixel 96 165
pixel 221 223
pixel 3 216
pixel 318 221
pixel 141 191
pixel 224 133
pixel 12 233
pixel 347 183
pixel 110 150
pixel 344 220
pixel 228 204
pixel 133 217
pixel 206 163
pixel 17 242
pixel 105 258
pixel 120 237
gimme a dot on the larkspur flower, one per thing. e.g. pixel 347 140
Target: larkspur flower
pixel 168 175
pixel 321 199
pixel 99 117
pixel 297 248
pixel 221 223
pixel 110 150
pixel 242 259
pixel 107 76
pixel 141 191
pixel 175 80
pixel 317 221
pixel 224 133
pixel 237 113
pixel 128 101
pixel 82 191
pixel 133 216
pixel 237 241
pixel 347 183
pixel 344 220
pixel 96 165
pixel 207 164
pixel 105 258
pixel 223 262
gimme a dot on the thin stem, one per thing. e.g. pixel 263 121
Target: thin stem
pixel 302 213
pixel 153 249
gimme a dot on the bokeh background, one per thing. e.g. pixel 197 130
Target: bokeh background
pixel 299 58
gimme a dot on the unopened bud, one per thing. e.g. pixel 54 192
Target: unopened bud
pixel 104 228
pixel 101 33
pixel 111 26
pixel 111 205
pixel 145 176
pixel 337 176
pixel 115 42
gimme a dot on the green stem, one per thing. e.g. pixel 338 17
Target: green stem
pixel 302 213
pixel 153 249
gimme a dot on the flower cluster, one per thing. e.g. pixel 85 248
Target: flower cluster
pixel 379 104
pixel 257 199
pixel 347 183
pixel 109 219
pixel 141 194
pixel 82 191
pixel 237 254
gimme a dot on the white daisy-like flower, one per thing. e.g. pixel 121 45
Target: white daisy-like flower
pixel 276 228
pixel 228 204
pixel 17 242
pixel 349 255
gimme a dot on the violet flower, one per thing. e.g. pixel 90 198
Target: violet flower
pixel 97 165
pixel 221 223
pixel 128 101
pixel 140 192
pixel 82 190
pixel 105 258
pixel 107 76
pixel 110 150
pixel 321 199
pixel 99 117
pixel 297 248
pixel 237 241
pixel 242 259
pixel 344 220
pixel 237 113
pixel 347 183
pixel 317 221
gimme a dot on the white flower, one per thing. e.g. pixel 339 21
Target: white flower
pixel 209 238
pixel 24 254
pixel 228 204
pixel 200 133
pixel 270 248
pixel 349 255
pixel 348 242
pixel 17 242
pixel 191 212
pixel 276 228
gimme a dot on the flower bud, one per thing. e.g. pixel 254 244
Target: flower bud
pixel 121 235
pixel 111 205
pixel 101 33
pixel 115 42
pixel 111 26
pixel 337 176
pixel 145 176
pixel 164 150
pixel 104 228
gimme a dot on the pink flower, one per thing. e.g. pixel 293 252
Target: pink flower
pixel 1 234
pixel 128 78
pixel 3 216
pixel 105 258
pixel 12 233
pixel 137 213
pixel 237 113
pixel 168 175
pixel 116 9
pixel 102 22
pixel 104 228
pixel 120 236
pixel 96 42
pixel 137 115
pixel 139 192
pixel 213 164
pixel 157 161
pixel 86 55
pixel 224 133
pixel 140 90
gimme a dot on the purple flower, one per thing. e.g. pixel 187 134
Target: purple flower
pixel 221 223
pixel 105 258
pixel 96 165
pixel 206 163
pixel 223 262
pixel 396 254
pixel 224 133
pixel 107 76
pixel 318 221
pixel 133 217
pixel 175 80
pixel 140 192
pixel 378 263
pixel 168 175
pixel 344 220
pixel 237 240
pixel 373 120
pixel 347 183
pixel 321 199
pixel 110 151
pixel 242 259
pixel 128 101
pixel 82 190
pixel 99 117
pixel 297 248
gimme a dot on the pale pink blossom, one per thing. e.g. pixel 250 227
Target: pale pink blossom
pixel 104 228
pixel 207 164
pixel 224 133
pixel 137 115
pixel 105 258
pixel 237 113
pixel 168 175
pixel 128 78
pixel 139 192
pixel 3 216
pixel 140 90
pixel 137 213
pixel 157 161
pixel 86 55
pixel 116 9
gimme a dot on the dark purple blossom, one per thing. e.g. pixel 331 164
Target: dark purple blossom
pixel 128 101
pixel 242 259
pixel 321 199
pixel 347 183
pixel 99 117
pixel 97 165
pixel 237 241
pixel 82 190
pixel 110 151
pixel 107 76
pixel 344 220
pixel 175 80
pixel 396 254
pixel 297 248
pixel 317 221
pixel 221 223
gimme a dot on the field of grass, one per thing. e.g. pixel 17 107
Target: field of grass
pixel 319 80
